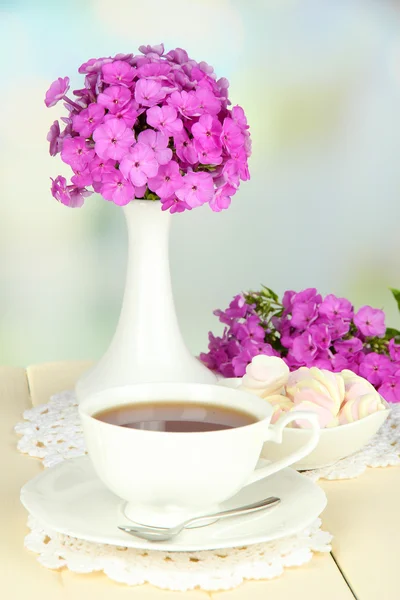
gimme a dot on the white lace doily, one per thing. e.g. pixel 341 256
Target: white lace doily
pixel 178 571
pixel 53 433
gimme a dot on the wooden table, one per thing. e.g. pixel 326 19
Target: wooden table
pixel 362 514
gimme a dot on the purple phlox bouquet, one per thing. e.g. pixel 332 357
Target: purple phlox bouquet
pixel 154 126
pixel 308 330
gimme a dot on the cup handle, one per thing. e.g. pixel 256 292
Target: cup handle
pixel 274 434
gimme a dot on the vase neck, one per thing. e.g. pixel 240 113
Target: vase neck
pixel 144 218
pixel 148 306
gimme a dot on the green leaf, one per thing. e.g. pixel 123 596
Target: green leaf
pixel 396 295
pixel 150 195
pixel 272 294
pixel 391 333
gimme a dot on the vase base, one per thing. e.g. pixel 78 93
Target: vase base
pixel 104 377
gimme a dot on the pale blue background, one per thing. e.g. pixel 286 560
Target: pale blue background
pixel 320 82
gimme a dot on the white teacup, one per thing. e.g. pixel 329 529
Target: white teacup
pixel 167 477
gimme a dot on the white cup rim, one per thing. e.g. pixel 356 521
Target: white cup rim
pixel 159 392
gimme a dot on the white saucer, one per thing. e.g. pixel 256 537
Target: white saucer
pixel 70 499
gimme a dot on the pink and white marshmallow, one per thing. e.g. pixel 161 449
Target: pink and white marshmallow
pixel 355 386
pixel 312 399
pixel 265 376
pixel 322 381
pixel 360 407
pixel 280 405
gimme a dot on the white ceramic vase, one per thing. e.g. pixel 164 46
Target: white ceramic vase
pixel 147 345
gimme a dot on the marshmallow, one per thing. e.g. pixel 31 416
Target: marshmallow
pixel 294 378
pixel 265 375
pixel 355 386
pixel 360 407
pixel 280 405
pixel 329 387
pixel 311 398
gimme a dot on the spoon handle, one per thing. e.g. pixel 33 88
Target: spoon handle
pixel 242 510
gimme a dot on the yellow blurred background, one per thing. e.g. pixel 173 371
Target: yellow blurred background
pixel 320 83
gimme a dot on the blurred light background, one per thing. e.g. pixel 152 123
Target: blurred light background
pixel 320 82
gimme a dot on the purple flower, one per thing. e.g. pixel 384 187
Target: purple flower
pixel 339 363
pixel 348 348
pixel 170 103
pixel 59 190
pixel 234 170
pixel 77 195
pixel 231 136
pixel 321 336
pixel 287 300
pixel 118 72
pixel 303 314
pixel 286 334
pixel 197 189
pixel 208 358
pixel 390 388
pixel 239 117
pixel 56 91
pixel 338 328
pixel 376 368
pixel 246 355
pixel 259 347
pixel 116 188
pixel 394 351
pixel 178 55
pixel 158 142
pixel 307 295
pixel 113 139
pixel 68 195
pixel 154 70
pixel 207 132
pixel 99 167
pixel 241 361
pixel 174 205
pixel 88 119
pixel 139 165
pixel 114 98
pixel 167 180
pixel 210 156
pixel 222 198
pixel 322 361
pixel 237 308
pixel 227 370
pixel 128 114
pixel 158 49
pixel 82 178
pixel 336 308
pixel 149 92
pixel 250 329
pixel 185 148
pixel 370 321
pixel 54 138
pixel 164 119
pixel 233 348
pixel 206 102
pixel 93 65
pixel 186 103
pixel 76 152
pixel 304 349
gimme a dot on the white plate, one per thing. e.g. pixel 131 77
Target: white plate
pixel 70 499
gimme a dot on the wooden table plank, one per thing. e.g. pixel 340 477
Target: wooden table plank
pixel 319 579
pixel 20 574
pixel 47 379
pixel 363 515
